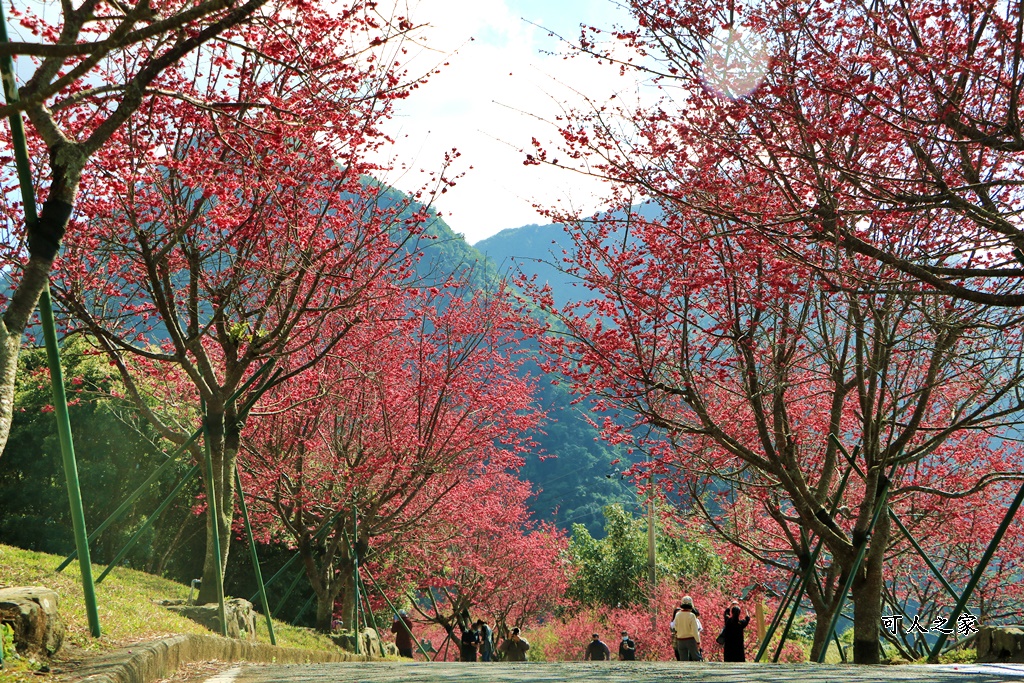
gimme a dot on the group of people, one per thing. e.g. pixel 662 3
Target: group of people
pixel 597 650
pixel 476 638
pixel 686 637
pixel 687 630
pixel 480 637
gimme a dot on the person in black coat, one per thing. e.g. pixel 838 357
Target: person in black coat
pixel 732 635
pixel 470 643
pixel 627 648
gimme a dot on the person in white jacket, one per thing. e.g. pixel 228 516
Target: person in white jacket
pixel 687 630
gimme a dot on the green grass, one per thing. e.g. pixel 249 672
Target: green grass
pixel 127 605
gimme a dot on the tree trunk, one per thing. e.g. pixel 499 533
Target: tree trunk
pixel 10 346
pixel 347 589
pixel 820 595
pixel 224 487
pixel 44 238
pixel 346 578
pixel 19 311
pixel 325 601
pixel 821 639
pixel 867 598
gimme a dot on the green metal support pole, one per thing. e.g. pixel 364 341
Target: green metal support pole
pixel 114 516
pixel 211 506
pixel 839 646
pixel 394 611
pixel 776 620
pixel 978 571
pixel 149 522
pixel 295 558
pixel 291 560
pixel 254 557
pixel 373 619
pixel 880 507
pixel 291 588
pixel 808 573
pixel 924 556
pixel 792 615
pixel 355 582
pixel 787 596
pixel 305 606
pixel 70 465
pixel 60 402
pixel 811 574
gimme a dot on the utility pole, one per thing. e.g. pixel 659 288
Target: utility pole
pixel 651 553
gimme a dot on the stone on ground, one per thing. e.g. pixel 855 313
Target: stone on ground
pixel 32 614
pixel 1002 644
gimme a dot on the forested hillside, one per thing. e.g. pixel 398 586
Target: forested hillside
pixel 571 468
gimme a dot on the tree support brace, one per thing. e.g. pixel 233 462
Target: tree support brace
pixel 294 558
pixel 369 610
pixel 398 616
pixel 44 242
pixel 291 589
pixel 254 557
pixel 978 571
pixel 808 568
pixel 171 459
pixel 149 522
pixel 881 504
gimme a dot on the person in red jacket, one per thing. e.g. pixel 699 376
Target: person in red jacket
pixel 402 628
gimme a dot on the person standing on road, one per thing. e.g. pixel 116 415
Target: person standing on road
pixel 470 643
pixel 700 627
pixel 732 635
pixel 597 651
pixel 486 640
pixel 687 632
pixel 402 628
pixel 514 648
pixel 627 648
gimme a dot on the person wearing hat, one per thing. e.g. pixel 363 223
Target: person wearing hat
pixel 627 648
pixel 700 627
pixel 687 632
pixel 402 628
pixel 597 651
pixel 514 648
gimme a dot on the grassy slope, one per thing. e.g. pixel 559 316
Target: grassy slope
pixel 127 608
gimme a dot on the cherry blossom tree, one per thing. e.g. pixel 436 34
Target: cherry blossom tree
pixel 892 131
pixel 95 65
pixel 827 175
pixel 953 533
pixel 757 371
pixel 387 429
pixel 488 558
pixel 215 238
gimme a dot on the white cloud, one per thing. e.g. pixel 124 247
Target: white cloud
pixel 494 95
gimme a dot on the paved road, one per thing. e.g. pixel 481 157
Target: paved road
pixel 613 672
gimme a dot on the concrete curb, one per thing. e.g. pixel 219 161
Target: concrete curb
pixel 148 662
